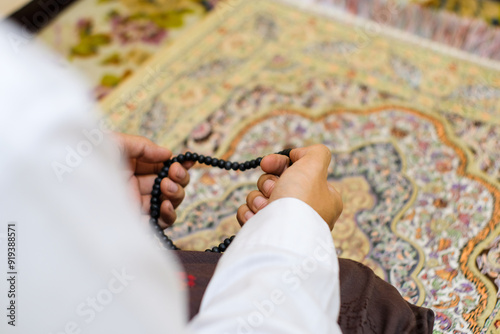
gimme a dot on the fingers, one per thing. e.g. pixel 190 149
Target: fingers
pixel 145 168
pixel 244 214
pixel 266 184
pixel 188 164
pixel 274 164
pixel 145 156
pixel 146 160
pixel 167 215
pixel 178 174
pixel 256 201
pixel 141 148
pixel 172 192
pixel 167 207
pixel 317 157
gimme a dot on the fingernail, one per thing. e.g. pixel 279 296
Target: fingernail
pixel 268 185
pixel 181 173
pixel 259 202
pixel 249 214
pixel 172 186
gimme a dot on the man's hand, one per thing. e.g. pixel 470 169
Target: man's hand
pixel 306 180
pixel 146 160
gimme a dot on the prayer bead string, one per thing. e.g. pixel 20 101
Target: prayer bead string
pixel 188 156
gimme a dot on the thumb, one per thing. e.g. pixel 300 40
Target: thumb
pixel 315 158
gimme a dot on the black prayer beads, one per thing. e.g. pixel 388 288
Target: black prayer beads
pixel 188 156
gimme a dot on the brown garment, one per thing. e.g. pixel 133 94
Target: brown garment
pixel 368 303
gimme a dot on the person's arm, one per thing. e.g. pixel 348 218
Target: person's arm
pixel 83 261
pixel 280 274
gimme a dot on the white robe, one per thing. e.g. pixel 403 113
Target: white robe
pixel 84 264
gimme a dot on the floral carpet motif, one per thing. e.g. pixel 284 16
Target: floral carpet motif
pixel 108 40
pixel 413 134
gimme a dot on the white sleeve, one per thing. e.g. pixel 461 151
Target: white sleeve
pixel 280 275
pixel 82 262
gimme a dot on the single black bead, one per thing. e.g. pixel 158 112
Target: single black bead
pixel 222 247
pixel 153 221
pixel 232 238
pixel 221 163
pixel 155 207
pixel 188 156
pixel 241 167
pixel 215 162
pixel 180 158
pixel 158 180
pixel 167 163
pixel 235 166
pixel 163 174
pixel 258 160
pixel 169 243
pixel 227 242
pixel 155 200
pixel 194 156
pixel 227 165
pixel 155 214
pixel 161 233
pixel 208 250
pixel 201 159
pixel 155 192
pixel 208 160
pixel 215 250
pixel 286 152
pixel 253 164
pixel 175 160
pixel 156 186
pixel 247 164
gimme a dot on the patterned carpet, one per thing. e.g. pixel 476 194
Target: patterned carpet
pixel 109 39
pixel 413 129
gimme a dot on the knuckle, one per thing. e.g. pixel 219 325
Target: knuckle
pixel 325 151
